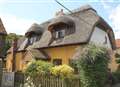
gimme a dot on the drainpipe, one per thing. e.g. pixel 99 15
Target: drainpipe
pixel 14 45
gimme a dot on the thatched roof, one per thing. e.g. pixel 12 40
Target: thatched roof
pixel 65 19
pixel 43 42
pixel 23 45
pixel 35 28
pixel 85 19
pixel 2 28
pixel 38 54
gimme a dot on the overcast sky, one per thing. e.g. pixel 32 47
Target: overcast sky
pixel 19 15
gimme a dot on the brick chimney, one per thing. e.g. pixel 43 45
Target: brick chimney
pixel 14 44
pixel 14 49
pixel 59 13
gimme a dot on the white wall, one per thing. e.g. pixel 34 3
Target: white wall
pixel 98 38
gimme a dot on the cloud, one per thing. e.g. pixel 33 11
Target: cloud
pixel 115 19
pixel 113 15
pixel 16 24
pixel 105 3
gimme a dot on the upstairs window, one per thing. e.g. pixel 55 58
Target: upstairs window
pixel 60 34
pixel 61 30
pixel 33 39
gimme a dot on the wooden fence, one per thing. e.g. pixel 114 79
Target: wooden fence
pixel 46 81
pixel 1 70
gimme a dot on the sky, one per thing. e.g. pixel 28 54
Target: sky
pixel 19 15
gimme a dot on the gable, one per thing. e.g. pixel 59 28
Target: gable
pixel 28 57
pixel 100 37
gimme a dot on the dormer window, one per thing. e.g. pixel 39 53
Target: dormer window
pixel 34 33
pixel 62 26
pixel 59 31
pixel 33 39
pixel 60 34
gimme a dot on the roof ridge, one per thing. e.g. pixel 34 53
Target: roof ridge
pixel 2 28
pixel 82 8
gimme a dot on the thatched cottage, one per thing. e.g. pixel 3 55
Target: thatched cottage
pixel 58 39
pixel 3 34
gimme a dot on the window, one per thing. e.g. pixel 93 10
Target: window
pixel 57 61
pixel 60 34
pixel 61 30
pixel 32 39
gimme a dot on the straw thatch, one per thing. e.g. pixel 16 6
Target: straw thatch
pixel 65 19
pixel 35 29
pixel 85 20
pixel 38 54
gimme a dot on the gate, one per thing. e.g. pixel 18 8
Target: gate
pixel 1 70
pixel 19 79
pixel 12 79
pixel 7 79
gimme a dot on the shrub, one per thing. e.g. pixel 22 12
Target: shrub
pixel 92 66
pixel 38 67
pixel 35 70
pixel 64 71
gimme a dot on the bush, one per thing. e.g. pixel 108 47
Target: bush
pixel 93 66
pixel 35 71
pixel 38 67
pixel 64 71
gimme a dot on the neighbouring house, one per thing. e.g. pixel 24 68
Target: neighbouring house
pixel 58 39
pixel 3 34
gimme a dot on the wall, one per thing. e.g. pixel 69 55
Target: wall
pixel 113 65
pixel 64 53
pixel 28 58
pixel 98 37
pixel 19 61
pixel 9 62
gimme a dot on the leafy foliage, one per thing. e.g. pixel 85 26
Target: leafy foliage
pixel 35 71
pixel 64 71
pixel 92 66
pixel 12 36
pixel 38 67
pixel 9 38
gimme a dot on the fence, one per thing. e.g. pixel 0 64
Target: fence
pixel 45 81
pixel 1 70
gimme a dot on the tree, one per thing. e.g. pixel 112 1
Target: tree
pixel 93 66
pixel 9 38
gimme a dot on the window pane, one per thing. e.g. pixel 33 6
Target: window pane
pixel 57 61
pixel 60 34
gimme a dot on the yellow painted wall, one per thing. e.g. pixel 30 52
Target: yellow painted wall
pixel 64 53
pixel 27 59
pixel 113 64
pixel 9 62
pixel 19 61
